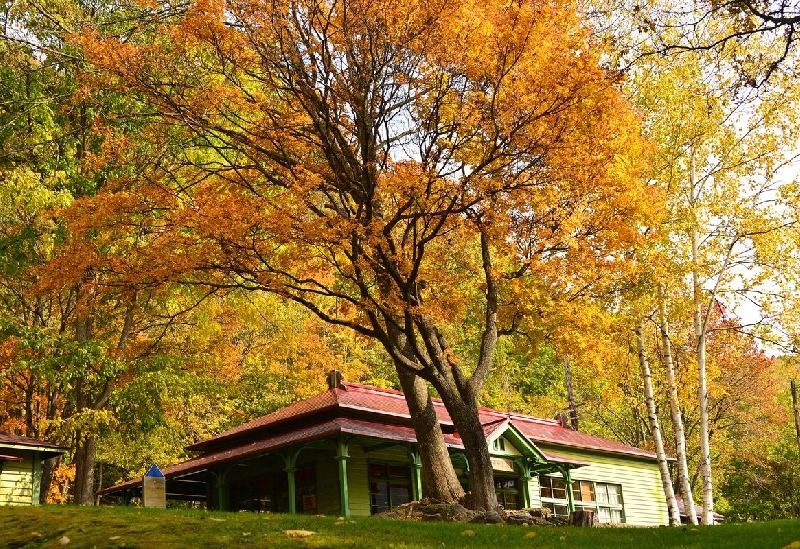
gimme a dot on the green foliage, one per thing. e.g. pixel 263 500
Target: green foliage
pixel 764 485
pixel 522 376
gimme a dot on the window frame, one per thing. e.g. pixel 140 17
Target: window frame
pixel 606 511
pixel 390 481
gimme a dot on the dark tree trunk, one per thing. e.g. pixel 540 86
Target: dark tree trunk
pixel 481 473
pixel 583 518
pixel 85 456
pixel 49 467
pixel 439 479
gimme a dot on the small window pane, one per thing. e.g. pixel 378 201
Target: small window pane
pixel 546 490
pixel 559 493
pixel 561 510
pixel 587 491
pixel 602 493
pixel 614 495
pixel 377 470
pixel 398 471
pixel 511 501
pixel 400 494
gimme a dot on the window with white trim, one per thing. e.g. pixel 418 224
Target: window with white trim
pixel 603 498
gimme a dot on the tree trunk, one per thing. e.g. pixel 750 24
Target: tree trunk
pixel 702 391
pixel 796 413
pixel 663 467
pixel 585 518
pixel 49 467
pixel 85 456
pixel 439 480
pixel 464 413
pixel 675 413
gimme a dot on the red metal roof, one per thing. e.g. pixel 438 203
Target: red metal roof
pixel 358 427
pixel 354 396
pixel 386 402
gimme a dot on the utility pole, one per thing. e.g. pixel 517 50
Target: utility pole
pixel 573 410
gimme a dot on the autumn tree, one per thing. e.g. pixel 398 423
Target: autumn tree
pixel 394 169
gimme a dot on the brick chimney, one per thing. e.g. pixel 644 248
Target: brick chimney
pixel 335 380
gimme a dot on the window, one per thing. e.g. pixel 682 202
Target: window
pixel 389 486
pixel 507 492
pixel 602 498
pixel 499 445
pixel 609 503
pixel 252 495
pixel 554 495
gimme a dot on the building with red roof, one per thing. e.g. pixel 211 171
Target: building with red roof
pixel 351 450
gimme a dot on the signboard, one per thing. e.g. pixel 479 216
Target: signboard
pixel 154 488
pixel 500 464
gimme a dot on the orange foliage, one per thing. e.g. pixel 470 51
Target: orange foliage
pixel 63 477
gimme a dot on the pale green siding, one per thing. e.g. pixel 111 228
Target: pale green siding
pixel 357 473
pixel 536 494
pixel 16 480
pixel 642 493
pixel 328 486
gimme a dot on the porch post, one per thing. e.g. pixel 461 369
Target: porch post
pixel 568 481
pixel 290 460
pixel 416 475
pixel 341 456
pixel 223 494
pixel 525 479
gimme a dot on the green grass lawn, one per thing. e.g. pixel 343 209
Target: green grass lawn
pixel 116 527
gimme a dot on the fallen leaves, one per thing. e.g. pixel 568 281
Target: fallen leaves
pixel 530 535
pixel 793 545
pixel 470 533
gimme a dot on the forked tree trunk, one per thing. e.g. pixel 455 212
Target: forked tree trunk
pixel 663 467
pixel 481 481
pixel 439 480
pixel 684 484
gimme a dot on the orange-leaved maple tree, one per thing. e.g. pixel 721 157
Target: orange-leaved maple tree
pixel 416 171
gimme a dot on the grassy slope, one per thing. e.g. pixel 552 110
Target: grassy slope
pixel 154 528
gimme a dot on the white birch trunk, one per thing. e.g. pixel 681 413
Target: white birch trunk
pixel 675 413
pixel 700 327
pixel 663 467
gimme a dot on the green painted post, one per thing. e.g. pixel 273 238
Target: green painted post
pixel 416 472
pixel 344 497
pixel 525 479
pixel 570 494
pixel 223 493
pixel 290 460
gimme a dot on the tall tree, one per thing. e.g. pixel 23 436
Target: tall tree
pixel 396 169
